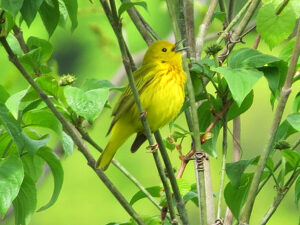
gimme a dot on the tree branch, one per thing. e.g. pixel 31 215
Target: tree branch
pixel 70 130
pixel 285 91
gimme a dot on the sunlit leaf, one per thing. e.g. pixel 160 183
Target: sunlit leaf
pixel 154 191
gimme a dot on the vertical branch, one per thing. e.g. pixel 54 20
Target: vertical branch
pixel 190 28
pixel 230 11
pixel 222 176
pixel 285 91
pixel 236 157
pixel 70 130
pixel 204 26
pixel 114 21
pixel 194 117
pixel 169 168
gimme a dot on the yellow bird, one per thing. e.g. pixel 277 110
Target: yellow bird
pixel 160 82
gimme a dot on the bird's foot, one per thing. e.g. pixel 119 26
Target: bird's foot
pixel 143 114
pixel 153 148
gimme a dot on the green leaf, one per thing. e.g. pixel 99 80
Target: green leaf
pixel 91 84
pixel 49 12
pixel 11 177
pixel 71 6
pixel 273 28
pixel 235 110
pixel 240 81
pixel 154 191
pixel 13 102
pixel 67 143
pixel 249 58
pixel 235 197
pixel 46 47
pixel 220 16
pixel 86 104
pixel 33 166
pixel 292 157
pixel 57 171
pixel 183 186
pixel 29 10
pixel 284 131
pixel 191 195
pixel 25 203
pixel 296 103
pixel 11 6
pixel 18 135
pixel 235 170
pixel 4 94
pixel 32 60
pixel 294 120
pixel 48 84
pixel 297 191
pixel 127 5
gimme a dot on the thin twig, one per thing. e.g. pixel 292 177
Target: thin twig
pixel 19 36
pixel 70 130
pixel 114 21
pixel 285 91
pixel 279 197
pixel 118 165
pixel 204 27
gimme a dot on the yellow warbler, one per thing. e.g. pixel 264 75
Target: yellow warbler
pixel 160 82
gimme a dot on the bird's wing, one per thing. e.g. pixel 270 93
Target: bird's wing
pixel 142 78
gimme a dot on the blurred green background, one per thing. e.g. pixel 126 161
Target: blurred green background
pixel 92 52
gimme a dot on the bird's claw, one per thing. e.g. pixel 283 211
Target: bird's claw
pixel 153 148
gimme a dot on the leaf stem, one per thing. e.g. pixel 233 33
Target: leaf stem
pixel 69 128
pixel 285 91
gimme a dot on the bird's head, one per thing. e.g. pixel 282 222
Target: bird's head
pixel 163 52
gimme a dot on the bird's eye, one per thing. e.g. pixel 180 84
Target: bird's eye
pixel 164 49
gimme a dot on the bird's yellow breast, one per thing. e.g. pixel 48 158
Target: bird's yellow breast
pixel 162 99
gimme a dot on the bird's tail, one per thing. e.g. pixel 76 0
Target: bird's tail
pixel 119 134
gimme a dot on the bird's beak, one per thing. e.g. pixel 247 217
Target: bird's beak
pixel 175 48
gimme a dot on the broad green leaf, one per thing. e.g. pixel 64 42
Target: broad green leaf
pixel 220 16
pixel 29 10
pixel 4 94
pixel 18 135
pixel 71 7
pixel 33 166
pixel 25 203
pixel 240 81
pixel 294 120
pixel 235 197
pixel 275 73
pixel 191 195
pixel 210 146
pixel 149 220
pixel 297 191
pixel 46 47
pixel 49 12
pixel 86 104
pixel 67 143
pixel 183 186
pixel 292 157
pixel 249 58
pixel 127 5
pixel 168 144
pixel 91 84
pixel 154 191
pixel 235 170
pixel 235 110
pixel 11 177
pixel 296 103
pixel 273 28
pixel 284 131
pixel 57 171
pixel 13 102
pixel 32 60
pixel 11 6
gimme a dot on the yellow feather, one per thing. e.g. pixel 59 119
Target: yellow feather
pixel 160 82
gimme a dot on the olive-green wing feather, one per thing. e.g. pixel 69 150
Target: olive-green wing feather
pixel 142 77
